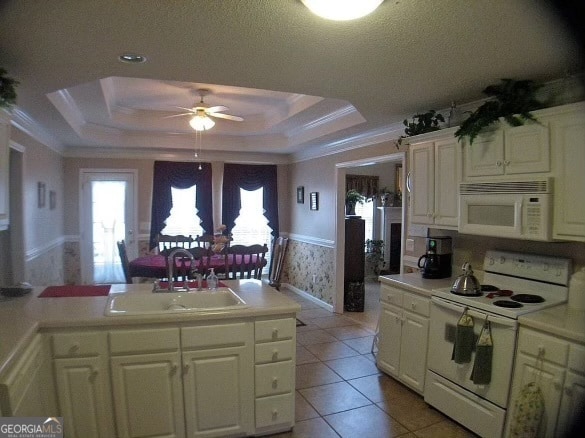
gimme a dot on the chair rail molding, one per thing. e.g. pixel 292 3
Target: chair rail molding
pixel 310 239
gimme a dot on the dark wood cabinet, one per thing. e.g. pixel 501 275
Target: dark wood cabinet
pixel 354 265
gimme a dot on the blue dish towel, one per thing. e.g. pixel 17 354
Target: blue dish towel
pixel 482 365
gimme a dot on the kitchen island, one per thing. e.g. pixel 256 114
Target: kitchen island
pixel 204 373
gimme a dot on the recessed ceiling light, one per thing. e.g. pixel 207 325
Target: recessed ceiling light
pixel 342 10
pixel 132 58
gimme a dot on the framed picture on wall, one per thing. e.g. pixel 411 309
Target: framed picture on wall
pixel 314 199
pixel 41 194
pixel 300 195
pixel 52 199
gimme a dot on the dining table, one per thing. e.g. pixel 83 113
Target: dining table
pixel 155 265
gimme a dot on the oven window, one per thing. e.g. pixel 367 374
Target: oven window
pixel 498 215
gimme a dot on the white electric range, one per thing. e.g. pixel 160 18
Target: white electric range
pixel 514 278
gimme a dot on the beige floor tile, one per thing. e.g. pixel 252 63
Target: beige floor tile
pixel 331 350
pixel 303 410
pixel 305 356
pixel 307 327
pixel 445 429
pixel 349 332
pixel 414 414
pixel 313 313
pixel 361 345
pixel 332 321
pixel 353 367
pixel 314 428
pixel 335 397
pixel 314 337
pixel 380 387
pixel 366 422
pixel 315 374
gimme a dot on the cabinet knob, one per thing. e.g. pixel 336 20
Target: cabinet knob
pixel 274 333
pixel 274 354
pixel 274 414
pixel 174 368
pixel 413 305
pixel 498 163
pixel 93 375
pixel 74 348
pixel 506 162
pixel 185 368
pixel 275 382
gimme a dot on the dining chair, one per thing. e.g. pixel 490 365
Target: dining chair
pixel 246 261
pixel 124 259
pixel 202 258
pixel 166 242
pixel 277 261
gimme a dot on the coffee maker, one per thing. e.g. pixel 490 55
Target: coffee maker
pixel 436 263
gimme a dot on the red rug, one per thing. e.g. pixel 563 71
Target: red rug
pixel 75 291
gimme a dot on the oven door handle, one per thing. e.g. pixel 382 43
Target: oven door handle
pixel 472 312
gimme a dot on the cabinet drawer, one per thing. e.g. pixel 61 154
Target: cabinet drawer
pixel 391 295
pixel 144 340
pixel 274 378
pixel 217 335
pixel 271 411
pixel 275 330
pixel 417 304
pixel 274 351
pixel 554 350
pixel 79 344
pixel 577 358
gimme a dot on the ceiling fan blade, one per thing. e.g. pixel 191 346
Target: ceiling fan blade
pixel 178 115
pixel 216 109
pixel 227 117
pixel 186 109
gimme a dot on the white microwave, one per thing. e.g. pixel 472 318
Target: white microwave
pixel 512 209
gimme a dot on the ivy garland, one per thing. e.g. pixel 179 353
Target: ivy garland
pixel 513 102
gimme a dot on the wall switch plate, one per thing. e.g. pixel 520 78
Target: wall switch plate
pixel 410 245
pixel 314 278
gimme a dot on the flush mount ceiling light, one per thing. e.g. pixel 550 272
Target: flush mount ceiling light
pixel 342 10
pixel 201 122
pixel 132 58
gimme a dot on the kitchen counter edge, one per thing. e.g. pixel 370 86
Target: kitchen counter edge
pixel 414 282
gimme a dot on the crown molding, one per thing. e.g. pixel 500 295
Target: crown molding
pixel 23 122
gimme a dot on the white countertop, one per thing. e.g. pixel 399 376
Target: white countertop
pixel 22 317
pixel 415 283
pixel 562 321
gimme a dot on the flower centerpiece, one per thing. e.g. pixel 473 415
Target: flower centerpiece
pixel 219 239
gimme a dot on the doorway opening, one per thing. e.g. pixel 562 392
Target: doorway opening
pixel 107 216
pixel 390 164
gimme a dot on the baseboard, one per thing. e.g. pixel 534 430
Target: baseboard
pixel 308 296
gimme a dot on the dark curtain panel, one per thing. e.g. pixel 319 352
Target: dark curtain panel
pixel 367 185
pixel 180 175
pixel 249 177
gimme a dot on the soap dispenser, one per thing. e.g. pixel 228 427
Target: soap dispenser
pixel 212 279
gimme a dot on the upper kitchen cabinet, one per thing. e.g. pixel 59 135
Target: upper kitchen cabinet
pixel 508 151
pixel 434 177
pixel 4 166
pixel 568 145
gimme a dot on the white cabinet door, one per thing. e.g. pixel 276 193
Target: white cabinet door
pixel 390 335
pixel 4 167
pixel 148 395
pixel 485 157
pixel 549 378
pixel 527 149
pixel 413 354
pixel 572 401
pixel 219 394
pixel 422 174
pixel 568 140
pixel 447 178
pixel 84 397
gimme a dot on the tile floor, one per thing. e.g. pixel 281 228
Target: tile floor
pixel 341 393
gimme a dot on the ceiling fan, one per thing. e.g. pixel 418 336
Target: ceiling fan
pixel 201 120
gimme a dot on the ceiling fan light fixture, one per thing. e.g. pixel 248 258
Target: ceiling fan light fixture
pixel 201 123
pixel 342 10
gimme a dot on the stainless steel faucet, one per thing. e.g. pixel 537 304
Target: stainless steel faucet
pixel 171 266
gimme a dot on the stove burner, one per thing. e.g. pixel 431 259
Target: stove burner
pixel 489 288
pixel 508 304
pixel 527 298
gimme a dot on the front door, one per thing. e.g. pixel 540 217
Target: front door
pixel 107 215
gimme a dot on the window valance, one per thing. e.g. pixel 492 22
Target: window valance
pixel 367 185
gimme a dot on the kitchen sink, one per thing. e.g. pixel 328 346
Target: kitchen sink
pixel 130 303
